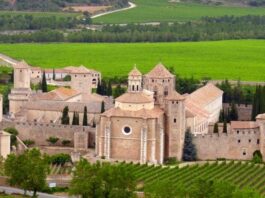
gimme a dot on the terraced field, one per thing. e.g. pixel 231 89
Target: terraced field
pixel 238 173
pixel 166 10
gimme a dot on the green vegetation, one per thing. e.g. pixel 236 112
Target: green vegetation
pixel 242 59
pixel 163 10
pixel 14 133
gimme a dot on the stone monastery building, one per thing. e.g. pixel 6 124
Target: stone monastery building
pixel 146 124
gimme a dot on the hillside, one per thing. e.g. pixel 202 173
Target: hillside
pixel 242 59
pixel 163 10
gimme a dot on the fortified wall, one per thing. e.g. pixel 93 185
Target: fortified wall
pixel 238 145
pixel 81 137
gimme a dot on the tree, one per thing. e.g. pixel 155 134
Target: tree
pixel 28 170
pixel 215 129
pixel 189 149
pixel 53 74
pixel 102 180
pixel 14 133
pixel 225 127
pixel 109 88
pixel 99 89
pixel 44 86
pixel 85 123
pixel 75 119
pixel 233 114
pixel 118 91
pixel 102 107
pixel 65 117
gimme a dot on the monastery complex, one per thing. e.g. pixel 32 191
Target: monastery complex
pixel 146 124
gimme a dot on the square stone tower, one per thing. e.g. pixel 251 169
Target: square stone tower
pixel 20 93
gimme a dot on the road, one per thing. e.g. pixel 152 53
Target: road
pixel 131 5
pixel 11 190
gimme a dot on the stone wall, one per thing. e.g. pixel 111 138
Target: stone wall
pixel 41 132
pixel 240 146
pixel 244 111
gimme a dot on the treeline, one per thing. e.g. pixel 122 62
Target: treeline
pixel 258 102
pixel 54 5
pixel 30 22
pixel 222 28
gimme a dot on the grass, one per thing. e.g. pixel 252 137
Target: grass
pixel 163 10
pixel 241 59
pixel 39 14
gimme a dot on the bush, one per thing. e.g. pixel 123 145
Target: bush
pixel 52 140
pixel 29 142
pixel 14 133
pixel 171 161
pixel 66 142
pixel 257 157
pixel 59 159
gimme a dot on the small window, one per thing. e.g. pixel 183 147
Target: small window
pixel 153 81
pixel 127 130
pixel 84 75
pixel 244 153
pixel 238 141
pixel 175 120
pixel 249 140
pixel 257 141
pixel 237 132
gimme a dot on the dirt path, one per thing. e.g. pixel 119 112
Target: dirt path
pixel 131 5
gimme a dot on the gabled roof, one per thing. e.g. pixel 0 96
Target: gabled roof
pixel 21 65
pixel 159 71
pixel 205 95
pixel 244 125
pixel 78 70
pixel 135 72
pixel 194 110
pixel 137 97
pixel 175 96
pixel 60 94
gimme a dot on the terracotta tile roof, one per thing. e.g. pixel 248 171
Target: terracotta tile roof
pixel 205 95
pixel 193 110
pixel 21 65
pixel 143 113
pixel 78 70
pixel 175 96
pixel 56 71
pixel 159 71
pixel 135 72
pixel 61 94
pixel 92 97
pixel 92 107
pixel 244 125
pixel 261 116
pixel 138 97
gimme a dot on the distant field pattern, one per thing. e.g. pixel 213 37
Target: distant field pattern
pixel 164 10
pixel 242 59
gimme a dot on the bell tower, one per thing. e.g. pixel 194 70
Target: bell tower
pixel 135 80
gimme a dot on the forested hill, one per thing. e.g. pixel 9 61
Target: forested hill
pixel 54 5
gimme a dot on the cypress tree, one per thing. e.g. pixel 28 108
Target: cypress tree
pixel 44 86
pixel 53 74
pixel 233 114
pixel 189 149
pixel 109 88
pixel 85 117
pixel 75 119
pixel 65 117
pixel 102 106
pixel 225 127
pixel 103 88
pixel 215 129
pixel 221 116
pixel 99 90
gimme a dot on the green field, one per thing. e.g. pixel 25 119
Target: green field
pixel 237 173
pixel 242 59
pixel 163 10
pixel 39 14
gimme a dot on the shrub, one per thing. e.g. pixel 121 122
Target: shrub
pixel 59 159
pixel 66 142
pixel 14 133
pixel 52 140
pixel 171 161
pixel 28 142
pixel 257 157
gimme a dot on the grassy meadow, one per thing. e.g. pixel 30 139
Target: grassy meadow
pixel 163 10
pixel 238 59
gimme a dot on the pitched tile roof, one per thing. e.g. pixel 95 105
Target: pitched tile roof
pixel 244 125
pixel 193 110
pixel 159 71
pixel 79 70
pixel 135 72
pixel 60 94
pixel 137 97
pixel 143 113
pixel 205 95
pixel 175 96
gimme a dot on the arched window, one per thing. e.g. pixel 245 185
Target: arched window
pixel 137 88
pixel 133 88
pixel 166 91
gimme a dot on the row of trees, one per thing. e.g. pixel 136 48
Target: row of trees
pixel 107 88
pixel 258 106
pixel 214 28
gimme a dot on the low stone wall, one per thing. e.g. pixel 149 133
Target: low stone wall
pixel 228 146
pixel 39 133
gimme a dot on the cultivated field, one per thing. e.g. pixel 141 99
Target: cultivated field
pixel 164 10
pixel 242 59
pixel 237 173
